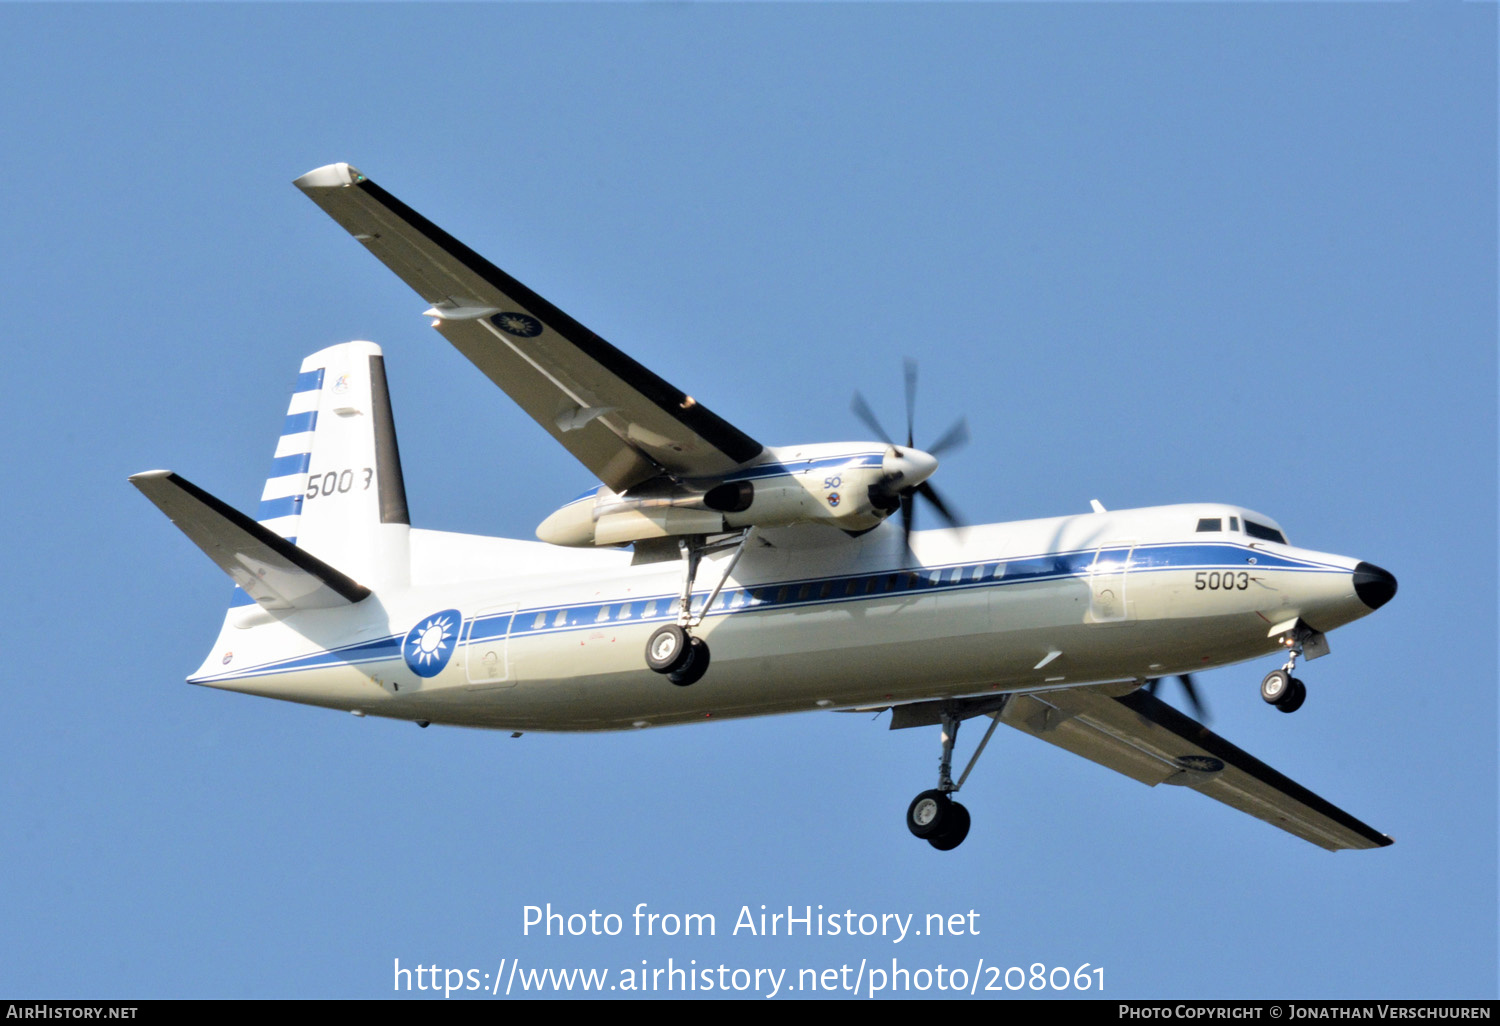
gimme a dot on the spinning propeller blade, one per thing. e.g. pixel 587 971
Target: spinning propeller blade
pixel 1186 680
pixel 956 437
pixel 863 412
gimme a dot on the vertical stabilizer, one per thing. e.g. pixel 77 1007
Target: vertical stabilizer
pixel 335 487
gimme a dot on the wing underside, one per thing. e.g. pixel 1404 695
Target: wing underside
pixel 617 417
pixel 1142 737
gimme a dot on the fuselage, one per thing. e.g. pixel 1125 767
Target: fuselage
pixel 524 636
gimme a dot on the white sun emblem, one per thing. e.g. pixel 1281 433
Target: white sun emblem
pixel 519 324
pixel 431 641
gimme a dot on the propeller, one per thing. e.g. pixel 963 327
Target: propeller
pixel 907 468
pixel 1186 680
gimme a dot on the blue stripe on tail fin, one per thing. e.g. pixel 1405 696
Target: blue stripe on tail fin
pixel 281 499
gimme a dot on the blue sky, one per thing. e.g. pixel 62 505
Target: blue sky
pixel 1155 253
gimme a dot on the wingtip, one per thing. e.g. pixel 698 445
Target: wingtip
pixel 330 176
pixel 149 475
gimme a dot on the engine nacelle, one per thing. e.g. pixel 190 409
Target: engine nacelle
pixel 841 500
pixel 848 497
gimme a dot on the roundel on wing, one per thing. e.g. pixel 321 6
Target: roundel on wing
pixel 519 324
pixel 1202 763
pixel 430 644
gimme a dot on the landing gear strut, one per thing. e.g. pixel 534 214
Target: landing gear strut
pixel 672 650
pixel 933 815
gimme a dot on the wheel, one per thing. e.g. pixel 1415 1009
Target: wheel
pixel 1294 697
pixel 955 829
pixel 667 649
pixel 1274 688
pixel 928 813
pixel 691 671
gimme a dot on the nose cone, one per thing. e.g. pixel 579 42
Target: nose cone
pixel 908 467
pixel 1374 586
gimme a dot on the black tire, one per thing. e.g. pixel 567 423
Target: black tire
pixel 692 671
pixel 1294 697
pixel 667 649
pixel 928 813
pixel 1276 686
pixel 955 829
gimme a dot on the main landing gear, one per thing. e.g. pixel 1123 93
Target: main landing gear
pixel 672 650
pixel 679 655
pixel 933 815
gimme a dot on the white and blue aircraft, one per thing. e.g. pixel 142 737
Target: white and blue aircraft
pixel 780 561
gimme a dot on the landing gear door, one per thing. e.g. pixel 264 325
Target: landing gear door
pixel 1108 603
pixel 487 648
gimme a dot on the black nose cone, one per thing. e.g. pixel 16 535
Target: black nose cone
pixel 1373 585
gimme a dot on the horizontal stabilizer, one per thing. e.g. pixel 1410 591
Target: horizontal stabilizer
pixel 273 571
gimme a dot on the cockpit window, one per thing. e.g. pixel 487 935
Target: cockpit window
pixel 1211 524
pixel 1263 532
pixel 1234 523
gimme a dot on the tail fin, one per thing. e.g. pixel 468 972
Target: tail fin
pixel 335 487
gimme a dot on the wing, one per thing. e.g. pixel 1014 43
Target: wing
pixel 1146 739
pixel 622 421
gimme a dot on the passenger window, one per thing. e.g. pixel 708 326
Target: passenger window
pixel 561 619
pixel 603 614
pixel 624 613
pixel 1211 524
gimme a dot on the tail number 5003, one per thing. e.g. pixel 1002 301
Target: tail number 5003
pixel 335 481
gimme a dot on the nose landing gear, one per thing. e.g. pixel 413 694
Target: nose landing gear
pixel 1284 691
pixel 1280 688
